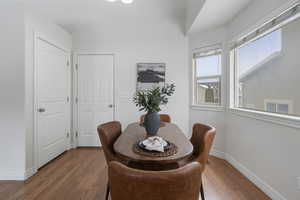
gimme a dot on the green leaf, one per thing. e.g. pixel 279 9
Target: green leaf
pixel 151 100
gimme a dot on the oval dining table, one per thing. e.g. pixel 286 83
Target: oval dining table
pixel 134 133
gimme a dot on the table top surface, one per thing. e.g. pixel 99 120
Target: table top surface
pixel 134 133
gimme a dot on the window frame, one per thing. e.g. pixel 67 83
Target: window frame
pixel 217 48
pixel 279 118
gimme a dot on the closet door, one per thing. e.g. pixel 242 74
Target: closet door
pixel 95 96
pixel 52 101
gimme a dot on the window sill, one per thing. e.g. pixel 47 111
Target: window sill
pixel 216 108
pixel 289 121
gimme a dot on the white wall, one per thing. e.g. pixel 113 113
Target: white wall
pixel 12 117
pixel 16 78
pixel 141 41
pixel 265 151
pixel 269 151
pixel 214 117
pixel 162 41
pixel 34 24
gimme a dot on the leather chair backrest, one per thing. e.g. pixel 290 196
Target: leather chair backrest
pixel 108 134
pixel 163 117
pixel 202 140
pixel 152 167
pixel 132 184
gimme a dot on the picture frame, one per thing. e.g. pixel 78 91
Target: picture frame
pixel 150 75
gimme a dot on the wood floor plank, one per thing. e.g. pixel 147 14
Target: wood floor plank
pixel 81 174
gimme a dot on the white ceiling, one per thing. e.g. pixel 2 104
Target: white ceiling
pixel 73 13
pixel 215 13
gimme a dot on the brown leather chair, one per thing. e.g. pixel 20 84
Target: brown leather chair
pixel 202 140
pixel 132 184
pixel 108 134
pixel 163 117
pixel 153 166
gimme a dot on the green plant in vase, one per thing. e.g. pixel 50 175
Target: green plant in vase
pixel 150 102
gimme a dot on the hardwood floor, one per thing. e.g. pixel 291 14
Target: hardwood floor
pixel 81 175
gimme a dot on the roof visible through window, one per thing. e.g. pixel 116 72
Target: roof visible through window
pixel 259 50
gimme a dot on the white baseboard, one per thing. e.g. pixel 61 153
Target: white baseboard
pixel 271 192
pixel 29 172
pixel 16 175
pixel 266 188
pixel 12 176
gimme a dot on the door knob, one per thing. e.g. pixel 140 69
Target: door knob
pixel 110 105
pixel 41 110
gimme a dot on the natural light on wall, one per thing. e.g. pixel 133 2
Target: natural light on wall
pixel 207 77
pixel 267 67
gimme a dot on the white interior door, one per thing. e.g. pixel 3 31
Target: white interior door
pixel 95 96
pixel 52 101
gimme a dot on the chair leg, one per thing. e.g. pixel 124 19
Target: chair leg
pixel 202 192
pixel 107 191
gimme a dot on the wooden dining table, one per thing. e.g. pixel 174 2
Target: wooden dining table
pixel 124 146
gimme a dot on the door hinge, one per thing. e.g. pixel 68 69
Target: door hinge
pixel 76 134
pixel 76 99
pixel 68 99
pixel 76 66
pixel 68 134
pixel 68 63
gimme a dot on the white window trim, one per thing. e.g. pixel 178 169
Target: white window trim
pixel 269 17
pixel 278 119
pixel 274 118
pixel 215 108
pixel 209 106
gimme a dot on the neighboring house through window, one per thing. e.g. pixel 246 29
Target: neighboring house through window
pixel 207 76
pixel 266 67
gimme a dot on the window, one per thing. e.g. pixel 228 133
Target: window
pixel 266 66
pixel 279 106
pixel 207 77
